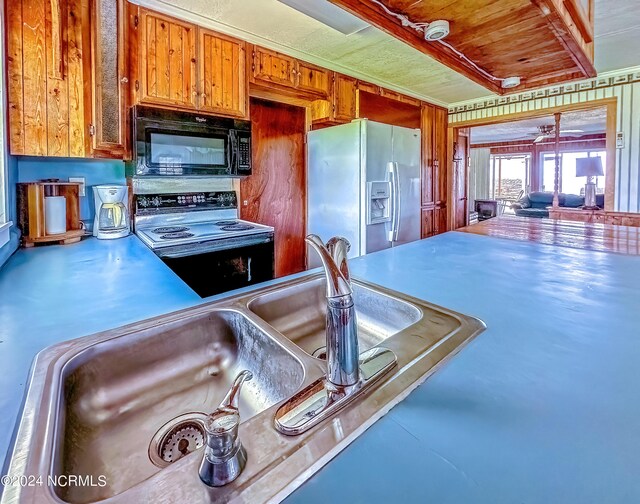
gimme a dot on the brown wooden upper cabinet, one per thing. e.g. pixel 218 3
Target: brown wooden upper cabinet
pixel 434 155
pixel 270 67
pixel 66 77
pixel 344 98
pixel 275 70
pixel 167 59
pixel 440 155
pixel 314 79
pixel 222 75
pixel 341 106
pixel 178 65
pixel 109 79
pixel 48 108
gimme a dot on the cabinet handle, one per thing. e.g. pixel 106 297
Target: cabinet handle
pixel 124 80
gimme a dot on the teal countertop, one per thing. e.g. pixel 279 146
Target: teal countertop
pixel 542 407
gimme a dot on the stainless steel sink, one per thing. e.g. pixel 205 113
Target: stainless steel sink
pixel 299 313
pixel 113 406
pixel 117 394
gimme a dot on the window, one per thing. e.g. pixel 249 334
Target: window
pixel 509 176
pixel 569 183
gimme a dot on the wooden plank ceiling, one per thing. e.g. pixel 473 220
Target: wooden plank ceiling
pixel 540 41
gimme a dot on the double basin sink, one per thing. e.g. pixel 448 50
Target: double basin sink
pixel 118 415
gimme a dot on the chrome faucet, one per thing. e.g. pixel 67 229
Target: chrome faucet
pixel 224 456
pixel 342 329
pixel 349 373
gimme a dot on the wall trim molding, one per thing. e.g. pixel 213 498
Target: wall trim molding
pixel 603 81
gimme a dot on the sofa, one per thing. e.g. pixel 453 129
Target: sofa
pixel 535 204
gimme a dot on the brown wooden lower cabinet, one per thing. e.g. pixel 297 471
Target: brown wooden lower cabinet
pixel 440 220
pixel 434 221
pixel 427 222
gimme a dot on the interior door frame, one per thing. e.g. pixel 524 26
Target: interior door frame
pixel 611 104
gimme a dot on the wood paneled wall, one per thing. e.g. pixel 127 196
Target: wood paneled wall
pixel 276 191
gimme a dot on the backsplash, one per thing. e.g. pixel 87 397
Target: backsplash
pixel 95 172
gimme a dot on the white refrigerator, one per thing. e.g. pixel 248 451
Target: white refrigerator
pixel 363 183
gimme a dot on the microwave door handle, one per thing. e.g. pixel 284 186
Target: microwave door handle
pixel 231 152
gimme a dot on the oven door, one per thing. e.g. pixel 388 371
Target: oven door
pixel 217 271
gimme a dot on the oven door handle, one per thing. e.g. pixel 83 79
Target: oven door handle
pixel 249 269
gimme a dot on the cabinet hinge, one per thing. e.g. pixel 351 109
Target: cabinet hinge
pixel 92 130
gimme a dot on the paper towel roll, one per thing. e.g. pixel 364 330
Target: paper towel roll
pixel 55 215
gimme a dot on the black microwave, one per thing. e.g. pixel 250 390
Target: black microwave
pixel 172 143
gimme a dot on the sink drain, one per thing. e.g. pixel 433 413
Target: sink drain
pixel 320 353
pixel 177 438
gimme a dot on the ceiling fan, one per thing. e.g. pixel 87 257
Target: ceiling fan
pixel 547 131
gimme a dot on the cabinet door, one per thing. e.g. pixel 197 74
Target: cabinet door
pixel 167 58
pixel 440 155
pixel 428 151
pixel 108 78
pixel 344 98
pixel 428 228
pixel 440 220
pixel 273 68
pixel 47 69
pixel 314 79
pixel 222 74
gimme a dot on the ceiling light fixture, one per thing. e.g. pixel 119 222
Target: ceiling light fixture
pixel 510 82
pixel 432 36
pixel 436 30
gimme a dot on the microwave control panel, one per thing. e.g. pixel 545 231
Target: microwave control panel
pixel 244 153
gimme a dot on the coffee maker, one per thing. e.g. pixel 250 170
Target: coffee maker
pixel 112 211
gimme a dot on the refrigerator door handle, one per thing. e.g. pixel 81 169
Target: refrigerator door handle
pixel 395 201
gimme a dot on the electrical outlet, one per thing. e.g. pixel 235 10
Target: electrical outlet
pixel 80 180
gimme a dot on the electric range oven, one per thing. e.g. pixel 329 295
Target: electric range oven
pixel 200 237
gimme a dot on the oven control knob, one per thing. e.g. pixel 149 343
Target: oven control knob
pixel 156 201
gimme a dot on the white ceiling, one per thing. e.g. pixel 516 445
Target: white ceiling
pixel 589 121
pixel 373 55
pixel 617 34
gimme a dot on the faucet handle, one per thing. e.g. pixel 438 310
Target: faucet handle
pixel 339 247
pixel 224 456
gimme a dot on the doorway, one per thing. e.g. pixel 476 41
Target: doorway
pixel 515 155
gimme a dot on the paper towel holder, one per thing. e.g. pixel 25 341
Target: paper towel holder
pixel 31 213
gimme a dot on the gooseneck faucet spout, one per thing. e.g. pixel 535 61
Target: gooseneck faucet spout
pixel 342 329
